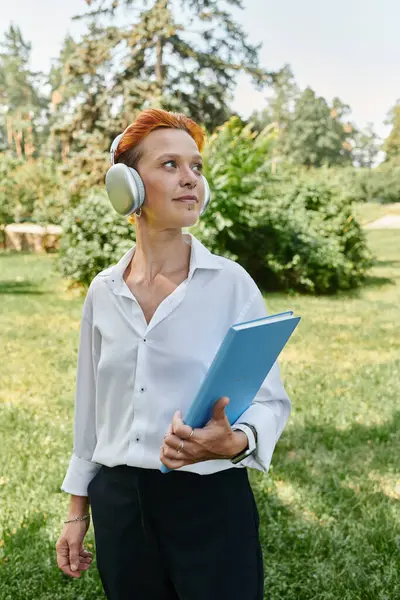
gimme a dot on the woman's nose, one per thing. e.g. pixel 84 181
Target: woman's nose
pixel 188 177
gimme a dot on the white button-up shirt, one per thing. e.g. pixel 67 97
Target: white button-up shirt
pixel 133 376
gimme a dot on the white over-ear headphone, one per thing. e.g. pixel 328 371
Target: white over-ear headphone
pixel 125 187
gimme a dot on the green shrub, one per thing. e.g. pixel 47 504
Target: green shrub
pixel 381 184
pixel 289 231
pixel 8 182
pixel 313 243
pixel 85 170
pixel 31 191
pixel 236 163
pixel 94 237
pixel 349 182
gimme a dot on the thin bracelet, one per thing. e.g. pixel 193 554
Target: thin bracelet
pixel 78 518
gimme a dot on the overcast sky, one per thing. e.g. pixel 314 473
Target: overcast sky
pixel 346 48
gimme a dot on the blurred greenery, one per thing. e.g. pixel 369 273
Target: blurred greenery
pixel 392 142
pixel 291 231
pixel 329 504
pixel 94 237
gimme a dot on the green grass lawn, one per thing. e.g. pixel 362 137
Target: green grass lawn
pixel 366 212
pixel 329 505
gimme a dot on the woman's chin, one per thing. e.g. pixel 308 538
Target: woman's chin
pixel 188 217
pixel 188 222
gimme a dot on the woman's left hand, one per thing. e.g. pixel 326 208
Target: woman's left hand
pixel 215 440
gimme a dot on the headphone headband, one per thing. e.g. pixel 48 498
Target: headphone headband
pixel 115 145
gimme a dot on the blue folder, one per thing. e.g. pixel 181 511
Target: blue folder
pixel 240 366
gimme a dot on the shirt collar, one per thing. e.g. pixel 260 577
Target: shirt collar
pixel 200 258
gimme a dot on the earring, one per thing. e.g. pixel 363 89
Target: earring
pixel 140 213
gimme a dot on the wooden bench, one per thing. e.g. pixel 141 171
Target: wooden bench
pixel 32 237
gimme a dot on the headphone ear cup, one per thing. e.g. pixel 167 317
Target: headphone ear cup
pixel 125 189
pixel 207 196
pixel 139 186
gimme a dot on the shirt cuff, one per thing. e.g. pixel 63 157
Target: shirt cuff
pixel 264 420
pixel 251 440
pixel 79 474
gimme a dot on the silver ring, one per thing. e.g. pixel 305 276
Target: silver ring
pixel 181 447
pixel 191 433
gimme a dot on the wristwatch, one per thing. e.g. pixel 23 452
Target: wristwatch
pixel 251 433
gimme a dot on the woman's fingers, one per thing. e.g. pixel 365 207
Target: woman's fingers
pixel 64 565
pixel 74 551
pixel 180 429
pixel 172 441
pixel 172 444
pixel 83 565
pixel 171 463
pixel 177 433
pixel 86 557
pixel 69 554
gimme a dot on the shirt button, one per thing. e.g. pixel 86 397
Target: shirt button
pixel 137 439
pixel 142 389
pixel 144 339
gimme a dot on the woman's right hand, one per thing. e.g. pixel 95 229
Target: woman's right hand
pixel 70 550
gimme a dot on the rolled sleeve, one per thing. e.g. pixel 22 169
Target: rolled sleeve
pixel 79 474
pixel 271 407
pixel 81 469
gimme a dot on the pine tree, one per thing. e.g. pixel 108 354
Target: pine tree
pixel 80 100
pixel 21 103
pixel 175 54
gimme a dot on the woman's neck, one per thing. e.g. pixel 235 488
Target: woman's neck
pixel 159 253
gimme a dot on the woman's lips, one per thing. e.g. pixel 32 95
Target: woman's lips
pixel 186 200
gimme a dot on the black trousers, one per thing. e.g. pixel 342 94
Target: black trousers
pixel 176 535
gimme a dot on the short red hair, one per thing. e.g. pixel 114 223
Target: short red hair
pixel 147 121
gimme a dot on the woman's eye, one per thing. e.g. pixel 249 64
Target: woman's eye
pixel 172 163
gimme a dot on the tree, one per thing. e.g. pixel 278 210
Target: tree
pixel 81 101
pixel 21 104
pixel 280 103
pixel 366 147
pixel 316 132
pixel 277 112
pixel 82 121
pixel 175 54
pixel 392 143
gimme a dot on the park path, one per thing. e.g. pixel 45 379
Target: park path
pixel 386 222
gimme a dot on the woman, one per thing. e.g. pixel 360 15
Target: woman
pixel 151 326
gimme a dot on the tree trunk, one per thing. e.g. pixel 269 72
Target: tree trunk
pixel 9 132
pixel 65 147
pixel 18 143
pixel 29 145
pixel 159 63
